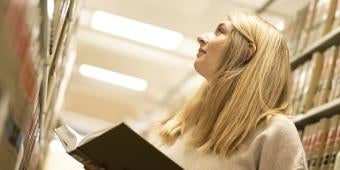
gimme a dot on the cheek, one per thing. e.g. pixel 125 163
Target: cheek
pixel 217 47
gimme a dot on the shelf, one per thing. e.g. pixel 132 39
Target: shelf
pixel 315 114
pixel 44 57
pixel 332 38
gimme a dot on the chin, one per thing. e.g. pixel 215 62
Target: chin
pixel 197 67
pixel 198 70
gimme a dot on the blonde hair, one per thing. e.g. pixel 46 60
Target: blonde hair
pixel 243 92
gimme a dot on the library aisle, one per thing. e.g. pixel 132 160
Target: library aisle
pixel 91 65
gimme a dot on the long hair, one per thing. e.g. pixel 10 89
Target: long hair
pixel 242 93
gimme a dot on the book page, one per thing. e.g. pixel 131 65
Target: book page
pixel 93 135
pixel 68 137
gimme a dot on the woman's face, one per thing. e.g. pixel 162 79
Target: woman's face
pixel 211 51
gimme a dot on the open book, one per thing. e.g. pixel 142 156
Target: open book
pixel 115 148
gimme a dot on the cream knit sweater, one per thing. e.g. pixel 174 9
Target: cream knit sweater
pixel 275 145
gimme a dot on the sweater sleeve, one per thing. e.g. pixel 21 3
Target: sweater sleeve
pixel 282 148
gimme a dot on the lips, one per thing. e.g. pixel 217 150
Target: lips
pixel 201 52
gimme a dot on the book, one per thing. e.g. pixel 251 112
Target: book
pixel 312 78
pixel 321 81
pixel 336 78
pixel 332 8
pixel 294 94
pixel 324 16
pixel 114 148
pixel 311 143
pixel 336 147
pixel 306 139
pixel 312 155
pixel 294 28
pixel 305 34
pixel 330 55
pixel 322 134
pixel 337 161
pixel 336 22
pixel 301 85
pixel 324 164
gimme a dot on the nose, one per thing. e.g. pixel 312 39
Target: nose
pixel 202 39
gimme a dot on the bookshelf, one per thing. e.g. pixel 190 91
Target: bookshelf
pixel 37 54
pixel 328 109
pixel 321 43
pixel 315 114
pixel 331 38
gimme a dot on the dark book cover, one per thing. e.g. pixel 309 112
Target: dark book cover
pixel 120 148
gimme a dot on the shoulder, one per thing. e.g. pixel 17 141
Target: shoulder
pixel 280 125
pixel 281 141
pixel 279 131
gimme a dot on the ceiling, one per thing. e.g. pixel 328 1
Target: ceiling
pixel 170 74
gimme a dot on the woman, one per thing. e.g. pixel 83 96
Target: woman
pixel 236 120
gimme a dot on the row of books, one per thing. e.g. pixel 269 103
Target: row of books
pixel 317 81
pixel 33 61
pixel 21 61
pixel 321 141
pixel 311 23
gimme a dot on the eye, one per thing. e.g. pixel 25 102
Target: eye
pixel 219 30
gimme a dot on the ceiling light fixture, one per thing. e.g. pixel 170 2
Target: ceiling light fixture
pixel 112 77
pixel 135 30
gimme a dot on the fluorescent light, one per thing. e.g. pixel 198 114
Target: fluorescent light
pixel 112 77
pixel 135 30
pixel 280 26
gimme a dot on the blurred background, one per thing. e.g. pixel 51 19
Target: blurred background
pixel 168 70
pixel 166 65
pixel 93 64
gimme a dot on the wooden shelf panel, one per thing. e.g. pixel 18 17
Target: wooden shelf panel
pixel 315 114
pixel 332 38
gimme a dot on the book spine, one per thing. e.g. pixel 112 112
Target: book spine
pixel 321 83
pixel 295 84
pixel 336 78
pixel 332 5
pixel 329 142
pixel 318 23
pixel 336 147
pixel 83 158
pixel 301 85
pixel 294 29
pixel 305 137
pixel 321 141
pixel 337 162
pixel 310 145
pixel 313 76
pixel 80 156
pixel 316 144
pixel 331 58
pixel 336 22
pixel 309 21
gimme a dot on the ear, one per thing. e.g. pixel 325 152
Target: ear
pixel 252 51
